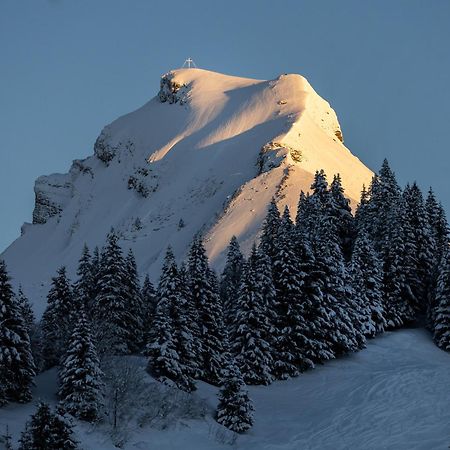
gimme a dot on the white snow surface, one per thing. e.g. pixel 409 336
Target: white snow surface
pixel 204 163
pixel 392 395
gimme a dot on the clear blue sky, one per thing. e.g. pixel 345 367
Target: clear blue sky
pixel 67 68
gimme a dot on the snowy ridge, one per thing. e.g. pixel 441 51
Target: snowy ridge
pixel 210 149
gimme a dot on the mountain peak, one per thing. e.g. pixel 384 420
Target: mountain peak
pixel 209 150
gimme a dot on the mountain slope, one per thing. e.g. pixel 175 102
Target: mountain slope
pixel 210 150
pixel 392 395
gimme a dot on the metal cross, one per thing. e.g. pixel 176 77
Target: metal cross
pixel 189 63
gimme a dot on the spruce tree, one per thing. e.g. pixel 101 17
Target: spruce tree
pixel 235 409
pixel 170 350
pixel 425 247
pixel 80 375
pixel 47 431
pixel 17 368
pixel 135 302
pixel 367 276
pixel 27 311
pixel 343 331
pixel 84 287
pixel 399 265
pixel 205 296
pixel 231 279
pixel 114 320
pixel 384 194
pixel 251 328
pixel 270 230
pixel 441 314
pixel 340 208
pixel 56 325
pixel 148 296
pixel 293 343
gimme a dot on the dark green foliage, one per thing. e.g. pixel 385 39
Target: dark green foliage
pixel 441 314
pixel 235 409
pixel 80 375
pixel 205 296
pixel 56 322
pixel 231 279
pixel 17 368
pixel 47 431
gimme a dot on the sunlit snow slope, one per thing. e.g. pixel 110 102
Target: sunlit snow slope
pixel 210 149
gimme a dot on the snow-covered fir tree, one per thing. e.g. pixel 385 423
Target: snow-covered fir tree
pixel 17 368
pixel 135 302
pixel 270 230
pixel 398 264
pixel 148 295
pixel 204 294
pixel 27 311
pixel 84 287
pixel 56 322
pixel 251 328
pixel 314 309
pixel 231 279
pixel 425 246
pixel 384 193
pixel 441 314
pixel 47 430
pixel 170 350
pixel 343 330
pixel 80 390
pixel 293 343
pixel 114 319
pixel 340 208
pixel 366 275
pixel 235 408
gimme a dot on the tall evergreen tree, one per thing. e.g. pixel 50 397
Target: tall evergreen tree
pixel 56 324
pixel 111 310
pixel 149 302
pixel 16 362
pixel 270 230
pixel 398 265
pixel 235 409
pixel 384 193
pixel 80 375
pixel 171 347
pixel 27 311
pixel 293 344
pixel 135 302
pixel 231 279
pixel 367 276
pixel 340 208
pixel 251 327
pixel 204 294
pixel 47 431
pixel 343 330
pixel 425 247
pixel 84 287
pixel 441 313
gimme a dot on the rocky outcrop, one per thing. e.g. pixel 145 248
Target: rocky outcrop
pixel 171 91
pixel 51 195
pixel 103 150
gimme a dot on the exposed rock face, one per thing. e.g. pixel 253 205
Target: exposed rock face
pixel 171 91
pixel 51 194
pixel 103 149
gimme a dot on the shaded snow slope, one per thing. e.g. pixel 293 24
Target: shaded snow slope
pixel 391 396
pixel 210 149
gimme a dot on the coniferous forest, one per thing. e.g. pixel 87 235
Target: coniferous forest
pixel 314 288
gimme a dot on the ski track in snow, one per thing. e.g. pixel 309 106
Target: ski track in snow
pixel 393 395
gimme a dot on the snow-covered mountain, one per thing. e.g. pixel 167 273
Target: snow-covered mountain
pixel 207 153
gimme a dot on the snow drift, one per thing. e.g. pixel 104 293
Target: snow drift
pixel 206 154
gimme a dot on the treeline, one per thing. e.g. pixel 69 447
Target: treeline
pixel 312 290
